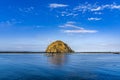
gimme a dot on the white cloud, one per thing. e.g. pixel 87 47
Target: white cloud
pixel 80 31
pixel 75 28
pixel 70 24
pixel 115 6
pixel 89 7
pixel 55 5
pixel 94 19
pixel 85 8
pixel 96 9
pixel 66 13
pixel 71 14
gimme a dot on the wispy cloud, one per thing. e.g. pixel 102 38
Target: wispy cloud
pixel 80 31
pixel 66 13
pixel 56 5
pixel 94 19
pixel 75 28
pixel 95 7
pixel 27 10
pixel 8 23
pixel 70 24
pixel 99 13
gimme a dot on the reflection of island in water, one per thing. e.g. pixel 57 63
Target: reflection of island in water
pixel 57 59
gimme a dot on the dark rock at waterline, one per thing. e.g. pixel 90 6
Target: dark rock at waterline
pixel 116 53
pixel 59 47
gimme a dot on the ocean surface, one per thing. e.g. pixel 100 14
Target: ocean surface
pixel 77 66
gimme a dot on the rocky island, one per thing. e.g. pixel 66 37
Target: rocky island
pixel 59 47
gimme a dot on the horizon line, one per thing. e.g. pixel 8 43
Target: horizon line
pixel 46 52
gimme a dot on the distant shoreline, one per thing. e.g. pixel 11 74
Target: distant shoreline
pixel 45 52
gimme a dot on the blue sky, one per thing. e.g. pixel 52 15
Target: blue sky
pixel 86 25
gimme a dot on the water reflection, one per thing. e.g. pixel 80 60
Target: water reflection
pixel 57 59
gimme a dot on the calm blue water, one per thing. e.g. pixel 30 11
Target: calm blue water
pixel 60 67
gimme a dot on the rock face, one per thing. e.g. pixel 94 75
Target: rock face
pixel 58 47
